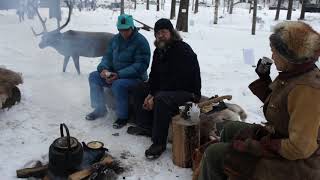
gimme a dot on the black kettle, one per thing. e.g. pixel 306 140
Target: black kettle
pixel 65 154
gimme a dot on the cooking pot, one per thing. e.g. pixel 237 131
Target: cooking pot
pixel 65 154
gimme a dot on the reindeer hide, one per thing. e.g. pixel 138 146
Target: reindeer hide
pixel 8 80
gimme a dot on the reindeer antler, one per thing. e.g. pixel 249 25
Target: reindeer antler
pixel 69 16
pixel 43 23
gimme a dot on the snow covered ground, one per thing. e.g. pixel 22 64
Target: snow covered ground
pixel 50 97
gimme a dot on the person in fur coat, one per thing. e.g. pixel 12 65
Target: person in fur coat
pixel 9 93
pixel 287 147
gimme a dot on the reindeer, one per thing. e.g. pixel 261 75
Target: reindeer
pixel 73 43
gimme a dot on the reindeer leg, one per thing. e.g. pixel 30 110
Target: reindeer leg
pixel 65 63
pixel 76 63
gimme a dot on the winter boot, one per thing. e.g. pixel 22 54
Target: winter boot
pixel 139 131
pixel 155 150
pixel 119 123
pixel 97 113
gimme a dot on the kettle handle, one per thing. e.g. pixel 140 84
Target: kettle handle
pixel 68 134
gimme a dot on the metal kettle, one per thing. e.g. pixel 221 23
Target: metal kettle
pixel 65 154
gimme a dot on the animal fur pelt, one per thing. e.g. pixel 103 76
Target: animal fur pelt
pixel 212 122
pixel 8 82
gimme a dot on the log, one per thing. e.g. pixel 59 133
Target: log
pixel 38 172
pixel 79 175
pixel 186 138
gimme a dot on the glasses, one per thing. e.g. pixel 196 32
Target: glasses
pixel 163 32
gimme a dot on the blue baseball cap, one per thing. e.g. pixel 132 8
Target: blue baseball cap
pixel 125 21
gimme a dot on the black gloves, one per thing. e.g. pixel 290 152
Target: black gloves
pixel 263 68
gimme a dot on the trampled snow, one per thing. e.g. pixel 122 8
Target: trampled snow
pixel 50 97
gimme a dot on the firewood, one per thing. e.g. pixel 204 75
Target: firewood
pixel 186 138
pixel 214 100
pixel 38 172
pixel 79 175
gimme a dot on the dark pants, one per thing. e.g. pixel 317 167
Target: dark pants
pixel 166 105
pixel 212 162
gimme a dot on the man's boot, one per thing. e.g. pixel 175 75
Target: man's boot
pixel 155 150
pixel 97 113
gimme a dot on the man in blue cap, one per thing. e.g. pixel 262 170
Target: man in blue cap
pixel 124 65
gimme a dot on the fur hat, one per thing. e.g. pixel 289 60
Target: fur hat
pixel 296 41
pixel 163 24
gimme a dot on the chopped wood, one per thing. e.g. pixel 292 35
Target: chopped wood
pixel 79 175
pixel 38 172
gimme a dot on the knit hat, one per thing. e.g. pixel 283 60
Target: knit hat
pixel 296 41
pixel 162 24
pixel 125 21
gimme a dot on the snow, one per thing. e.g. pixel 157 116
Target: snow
pixel 50 97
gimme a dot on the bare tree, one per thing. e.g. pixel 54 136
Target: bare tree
pixel 278 10
pixel 231 6
pixel 196 8
pixel 303 9
pixel 216 7
pixel 135 4
pixel 148 2
pixel 158 5
pixel 289 9
pixel 122 7
pixel 182 22
pixel 254 18
pixel 173 9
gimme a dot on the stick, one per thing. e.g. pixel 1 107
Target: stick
pixel 145 27
pixel 214 100
pixel 88 171
pixel 37 172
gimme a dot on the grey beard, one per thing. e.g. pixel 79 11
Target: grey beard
pixel 162 44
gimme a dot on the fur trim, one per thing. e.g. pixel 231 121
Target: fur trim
pixel 175 36
pixel 300 39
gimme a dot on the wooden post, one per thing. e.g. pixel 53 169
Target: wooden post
pixel 186 138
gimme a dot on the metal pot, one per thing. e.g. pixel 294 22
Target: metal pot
pixel 65 154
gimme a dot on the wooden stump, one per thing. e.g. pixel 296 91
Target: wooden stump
pixel 186 138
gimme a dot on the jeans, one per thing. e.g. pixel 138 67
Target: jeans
pixel 119 88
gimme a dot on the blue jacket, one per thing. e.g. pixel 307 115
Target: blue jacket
pixel 128 58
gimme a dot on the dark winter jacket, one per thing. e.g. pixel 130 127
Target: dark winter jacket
pixel 128 58
pixel 175 68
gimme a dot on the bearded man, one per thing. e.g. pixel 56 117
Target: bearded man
pixel 174 80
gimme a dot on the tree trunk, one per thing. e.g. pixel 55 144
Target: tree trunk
pixel 289 9
pixel 148 4
pixel 216 7
pixel 173 9
pixel 231 6
pixel 158 5
pixel 182 22
pixel 196 8
pixel 122 7
pixel 135 4
pixel 228 5
pixel 278 10
pixel 250 7
pixel 254 18
pixel 302 9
